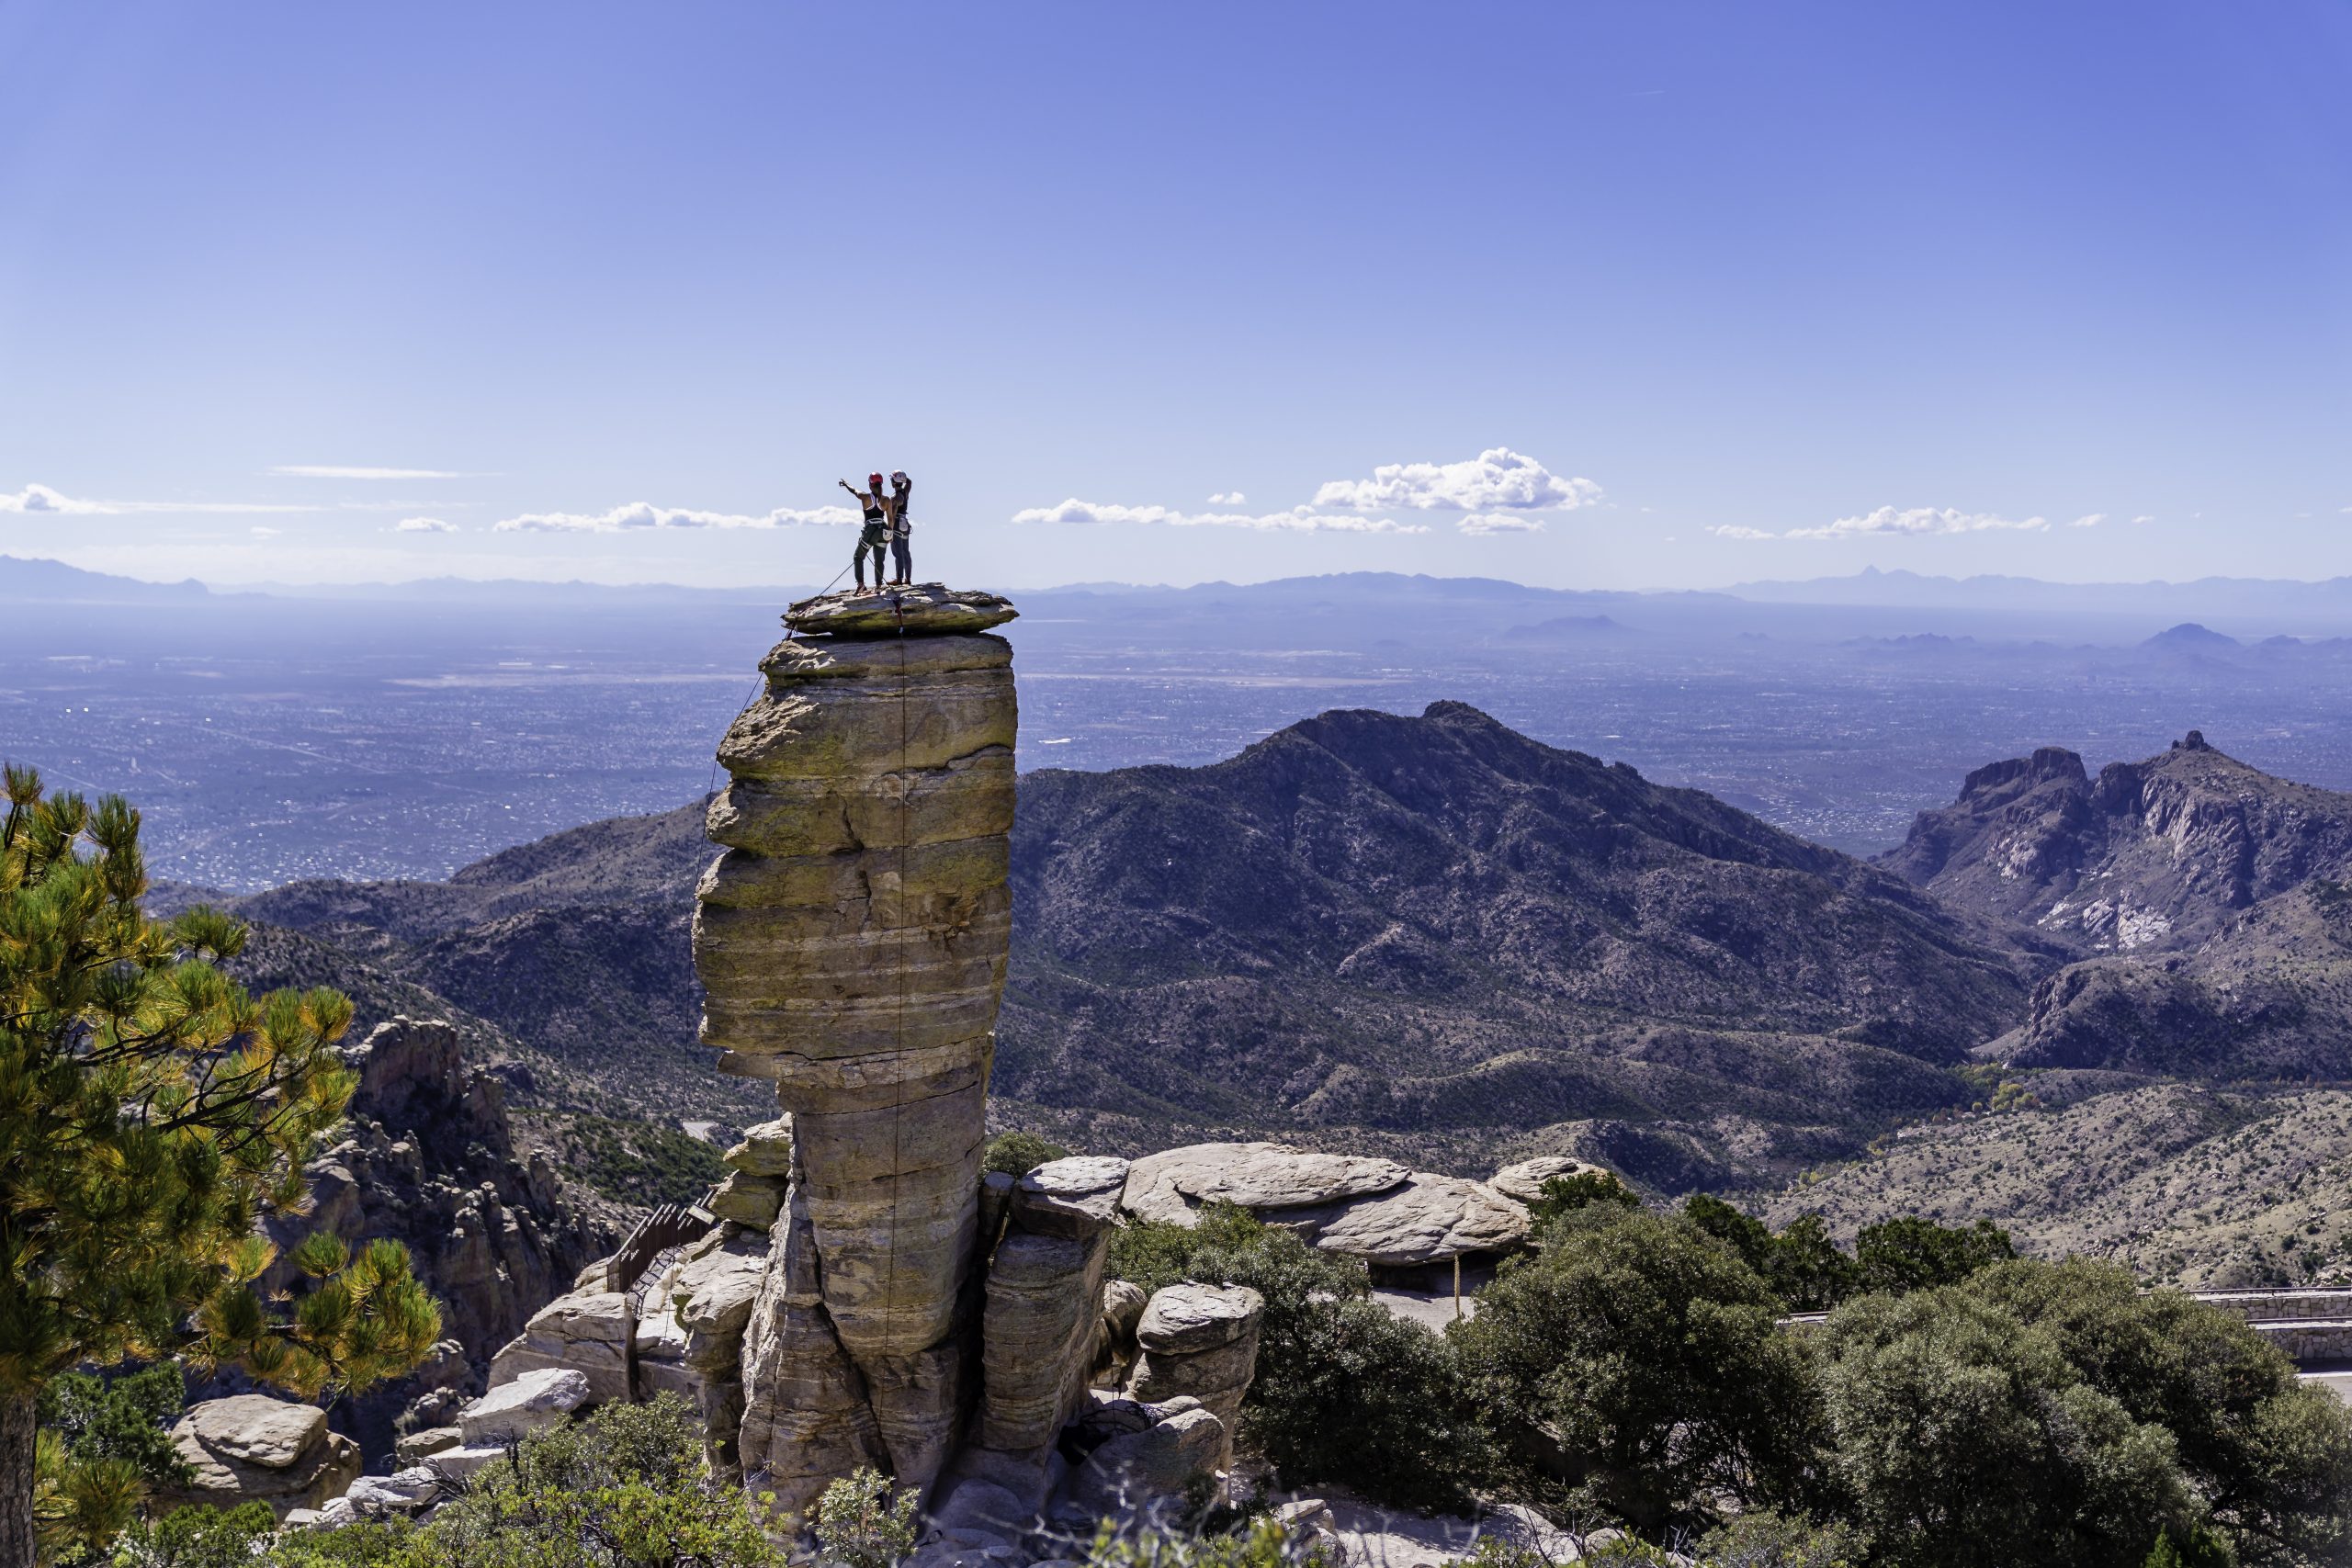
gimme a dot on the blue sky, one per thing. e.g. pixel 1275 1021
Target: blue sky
pixel 1721 291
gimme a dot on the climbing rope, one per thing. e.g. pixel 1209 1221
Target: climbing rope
pixel 898 1094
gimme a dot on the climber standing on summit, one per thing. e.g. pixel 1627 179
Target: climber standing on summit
pixel 901 531
pixel 874 534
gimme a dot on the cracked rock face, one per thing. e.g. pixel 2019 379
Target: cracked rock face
pixel 852 943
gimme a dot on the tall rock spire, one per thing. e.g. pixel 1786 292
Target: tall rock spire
pixel 852 943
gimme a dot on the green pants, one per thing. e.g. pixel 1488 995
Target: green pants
pixel 876 539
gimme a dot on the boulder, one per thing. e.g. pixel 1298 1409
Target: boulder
pixel 407 1491
pixel 543 1397
pixel 766 1150
pixel 1171 1186
pixel 1201 1341
pixel 464 1463
pixel 1430 1219
pixel 588 1332
pixel 1186 1319
pixel 414 1447
pixel 712 1295
pixel 1076 1197
pixel 748 1199
pixel 923 609
pixel 1524 1181
pixel 1158 1184
pixel 250 1448
pixel 1149 1470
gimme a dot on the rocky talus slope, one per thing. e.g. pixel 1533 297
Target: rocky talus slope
pixel 2191 1184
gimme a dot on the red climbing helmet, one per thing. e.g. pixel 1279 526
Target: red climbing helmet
pixel 873 481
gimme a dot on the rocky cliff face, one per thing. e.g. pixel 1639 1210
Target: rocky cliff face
pixel 429 1162
pixel 852 943
pixel 2202 897
pixel 2153 856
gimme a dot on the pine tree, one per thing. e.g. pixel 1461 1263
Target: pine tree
pixel 149 1112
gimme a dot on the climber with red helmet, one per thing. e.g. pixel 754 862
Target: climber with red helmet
pixel 901 531
pixel 876 533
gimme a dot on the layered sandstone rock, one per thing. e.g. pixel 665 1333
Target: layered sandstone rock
pixel 851 944
pixel 1202 1341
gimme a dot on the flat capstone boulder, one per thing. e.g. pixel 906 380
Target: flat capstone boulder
pixel 1172 1187
pixel 923 609
pixel 250 1448
pixel 1186 1319
pixel 1430 1219
pixel 1077 1196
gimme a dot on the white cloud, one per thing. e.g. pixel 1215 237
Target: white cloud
pixel 1298 520
pixel 43 500
pixel 258 532
pixel 1228 498
pixel 1738 531
pixel 638 514
pixel 332 471
pixel 1917 521
pixel 2091 521
pixel 2151 517
pixel 1495 480
pixel 423 525
pixel 1498 522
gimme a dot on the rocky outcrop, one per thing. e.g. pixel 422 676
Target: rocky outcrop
pixel 428 1160
pixel 1199 1341
pixel 590 1332
pixel 2148 856
pixel 1172 1185
pixel 1373 1209
pixel 852 943
pixel 250 1448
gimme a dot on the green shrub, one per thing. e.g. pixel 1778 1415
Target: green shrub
pixel 2270 1456
pixel 1964 1436
pixel 859 1524
pixel 1567 1194
pixel 1769 1539
pixel 1018 1154
pixel 1637 1369
pixel 1344 1390
pixel 1255 1543
pixel 2194 1547
pixel 198 1537
pixel 625 1489
pixel 1912 1254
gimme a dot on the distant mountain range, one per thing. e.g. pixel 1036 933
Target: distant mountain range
pixel 2263 603
pixel 2328 600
